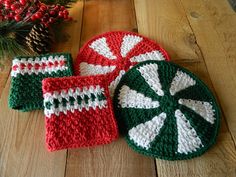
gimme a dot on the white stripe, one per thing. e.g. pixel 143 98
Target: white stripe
pixel 188 141
pixel 153 55
pixel 129 98
pixel 204 109
pixel 150 74
pixel 115 82
pixel 128 43
pixel 38 61
pixel 90 69
pixel 59 94
pixel 96 90
pixel 180 82
pixel 143 134
pixel 102 48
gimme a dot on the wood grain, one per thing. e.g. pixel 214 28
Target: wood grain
pixel 166 22
pixel 115 159
pixel 214 24
pixel 167 25
pixel 5 67
pixel 71 31
pixel 102 16
pixel 200 36
pixel 22 145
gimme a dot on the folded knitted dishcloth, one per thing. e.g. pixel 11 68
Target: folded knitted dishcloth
pixel 78 112
pixel 166 111
pixel 27 74
pixel 114 53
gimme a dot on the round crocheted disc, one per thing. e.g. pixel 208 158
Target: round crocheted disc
pixel 166 111
pixel 113 53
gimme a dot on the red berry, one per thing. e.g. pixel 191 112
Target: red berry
pixel 56 8
pixel 14 7
pixel 33 17
pixel 38 15
pixel 7 4
pixel 18 10
pixel 43 8
pixel 52 12
pixel 17 18
pixel 65 12
pixel 51 20
pixel 28 14
pixel 11 14
pixel 61 14
pixel 23 2
pixel 62 8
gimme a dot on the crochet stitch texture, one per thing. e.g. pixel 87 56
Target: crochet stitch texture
pixel 78 112
pixel 166 111
pixel 114 53
pixel 27 74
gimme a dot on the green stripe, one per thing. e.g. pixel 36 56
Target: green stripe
pixel 72 100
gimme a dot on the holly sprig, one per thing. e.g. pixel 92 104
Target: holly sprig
pixel 32 11
pixel 17 17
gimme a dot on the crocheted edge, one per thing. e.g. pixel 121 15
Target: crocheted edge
pixel 37 105
pixel 78 61
pixel 91 143
pixel 217 109
pixel 110 107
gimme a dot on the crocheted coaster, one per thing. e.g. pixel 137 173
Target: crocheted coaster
pixel 166 111
pixel 27 75
pixel 78 112
pixel 114 53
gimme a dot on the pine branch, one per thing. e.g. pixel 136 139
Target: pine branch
pixel 12 38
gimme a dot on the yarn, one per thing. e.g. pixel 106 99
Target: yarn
pixel 78 112
pixel 27 74
pixel 165 111
pixel 114 53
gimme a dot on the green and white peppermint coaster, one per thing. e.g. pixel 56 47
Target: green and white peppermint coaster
pixel 166 111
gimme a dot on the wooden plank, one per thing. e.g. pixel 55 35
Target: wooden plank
pixel 5 67
pixel 167 25
pixel 214 24
pixel 71 32
pixel 166 22
pixel 22 141
pixel 115 159
pixel 102 16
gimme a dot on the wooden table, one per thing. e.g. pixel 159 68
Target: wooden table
pixel 199 35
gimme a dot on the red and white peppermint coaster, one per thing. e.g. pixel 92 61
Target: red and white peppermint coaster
pixel 78 112
pixel 114 53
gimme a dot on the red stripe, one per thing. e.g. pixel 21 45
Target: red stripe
pixel 37 66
